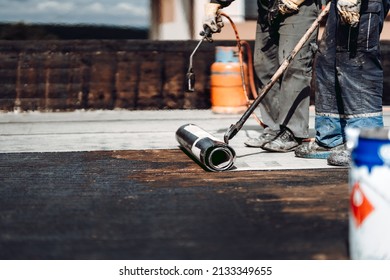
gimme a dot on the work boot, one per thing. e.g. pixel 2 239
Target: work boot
pixel 339 158
pixel 283 142
pixel 314 150
pixel 266 136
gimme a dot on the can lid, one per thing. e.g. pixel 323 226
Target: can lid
pixel 356 135
pixel 369 147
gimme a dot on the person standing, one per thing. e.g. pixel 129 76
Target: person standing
pixel 285 108
pixel 348 77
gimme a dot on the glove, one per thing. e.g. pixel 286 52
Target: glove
pixel 349 11
pixel 212 18
pixel 289 6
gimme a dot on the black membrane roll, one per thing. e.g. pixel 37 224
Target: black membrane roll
pixel 212 153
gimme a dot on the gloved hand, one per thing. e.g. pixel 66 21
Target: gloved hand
pixel 289 6
pixel 212 17
pixel 282 7
pixel 349 11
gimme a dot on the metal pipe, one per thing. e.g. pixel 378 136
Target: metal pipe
pixel 213 154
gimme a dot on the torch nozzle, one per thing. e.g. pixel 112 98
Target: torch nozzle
pixel 190 76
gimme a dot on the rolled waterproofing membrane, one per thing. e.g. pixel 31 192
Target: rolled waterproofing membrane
pixel 213 154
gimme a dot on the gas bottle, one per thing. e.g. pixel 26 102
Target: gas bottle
pixel 227 93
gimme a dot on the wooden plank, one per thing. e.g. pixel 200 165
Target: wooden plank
pixel 126 80
pixel 150 83
pixel 101 85
pixel 175 69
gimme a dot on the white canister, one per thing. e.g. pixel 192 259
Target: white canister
pixel 369 185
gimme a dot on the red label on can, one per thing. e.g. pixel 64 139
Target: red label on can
pixel 360 205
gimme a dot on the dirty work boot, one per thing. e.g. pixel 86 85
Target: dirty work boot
pixel 283 142
pixel 339 158
pixel 314 150
pixel 266 136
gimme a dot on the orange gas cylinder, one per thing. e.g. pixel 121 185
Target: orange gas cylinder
pixel 227 93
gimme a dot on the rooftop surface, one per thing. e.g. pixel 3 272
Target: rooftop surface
pixel 115 185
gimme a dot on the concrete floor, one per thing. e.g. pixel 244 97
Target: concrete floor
pixel 139 130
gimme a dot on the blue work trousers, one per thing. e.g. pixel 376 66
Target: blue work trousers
pixel 349 75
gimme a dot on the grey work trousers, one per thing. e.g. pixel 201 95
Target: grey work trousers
pixel 287 103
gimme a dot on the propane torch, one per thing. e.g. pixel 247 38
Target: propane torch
pixel 190 76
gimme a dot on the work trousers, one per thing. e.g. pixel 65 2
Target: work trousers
pixel 348 75
pixel 287 103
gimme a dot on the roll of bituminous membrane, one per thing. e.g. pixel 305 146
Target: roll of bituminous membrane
pixel 213 154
